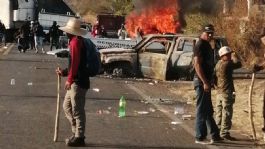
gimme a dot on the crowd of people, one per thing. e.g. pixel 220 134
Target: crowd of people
pixel 31 36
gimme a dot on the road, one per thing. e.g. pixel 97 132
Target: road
pixel 28 106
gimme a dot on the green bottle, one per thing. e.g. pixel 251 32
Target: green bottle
pixel 122 104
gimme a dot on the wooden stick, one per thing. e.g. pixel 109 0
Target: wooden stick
pixel 250 107
pixel 58 110
pixel 263 114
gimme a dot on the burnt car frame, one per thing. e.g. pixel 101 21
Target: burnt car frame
pixel 161 57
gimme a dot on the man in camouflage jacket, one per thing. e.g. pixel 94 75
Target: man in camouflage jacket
pixel 226 91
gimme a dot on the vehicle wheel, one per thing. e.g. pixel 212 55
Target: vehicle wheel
pixel 118 72
pixel 122 70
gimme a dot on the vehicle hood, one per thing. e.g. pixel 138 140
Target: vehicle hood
pixel 116 50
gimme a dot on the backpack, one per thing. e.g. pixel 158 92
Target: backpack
pixel 93 62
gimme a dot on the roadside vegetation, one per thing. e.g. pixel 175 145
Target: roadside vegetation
pixel 88 9
pixel 242 33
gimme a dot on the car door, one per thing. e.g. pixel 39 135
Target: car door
pixel 153 59
pixel 182 55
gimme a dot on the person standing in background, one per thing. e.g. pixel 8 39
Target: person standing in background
pixel 122 32
pixel 54 35
pixel 3 33
pixel 38 37
pixel 31 36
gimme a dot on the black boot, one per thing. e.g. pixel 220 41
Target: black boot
pixel 75 141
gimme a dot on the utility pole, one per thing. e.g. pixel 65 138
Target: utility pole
pixel 225 8
pixel 250 3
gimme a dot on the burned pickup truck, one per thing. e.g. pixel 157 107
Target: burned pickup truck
pixel 162 57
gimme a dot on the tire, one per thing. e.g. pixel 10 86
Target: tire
pixel 121 69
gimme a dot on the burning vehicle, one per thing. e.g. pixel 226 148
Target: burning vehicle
pixel 164 53
pixel 162 57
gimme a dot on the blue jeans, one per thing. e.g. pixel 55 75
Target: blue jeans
pixel 204 113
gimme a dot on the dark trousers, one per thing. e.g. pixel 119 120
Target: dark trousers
pixel 31 42
pixel 54 41
pixel 204 115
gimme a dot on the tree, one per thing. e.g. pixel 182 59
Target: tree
pixel 122 7
pixel 227 6
pixel 250 2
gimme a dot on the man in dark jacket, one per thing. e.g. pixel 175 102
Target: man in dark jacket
pixel 77 83
pixel 24 35
pixel 54 35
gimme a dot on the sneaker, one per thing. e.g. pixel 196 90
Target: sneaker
pixel 229 138
pixel 5 47
pixel 75 142
pixel 36 51
pixel 203 142
pixel 217 140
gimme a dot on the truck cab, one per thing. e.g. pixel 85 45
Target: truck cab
pixel 162 57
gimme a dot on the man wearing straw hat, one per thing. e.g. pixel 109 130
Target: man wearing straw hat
pixel 77 83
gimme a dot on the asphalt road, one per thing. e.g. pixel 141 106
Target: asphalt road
pixel 28 104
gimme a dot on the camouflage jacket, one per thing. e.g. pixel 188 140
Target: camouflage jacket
pixel 224 75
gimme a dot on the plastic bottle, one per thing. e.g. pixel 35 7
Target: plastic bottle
pixel 13 82
pixel 122 105
pixel 179 109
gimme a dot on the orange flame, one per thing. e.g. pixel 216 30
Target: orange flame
pixel 154 20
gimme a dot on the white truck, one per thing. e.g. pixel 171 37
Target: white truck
pixel 14 13
pixel 46 19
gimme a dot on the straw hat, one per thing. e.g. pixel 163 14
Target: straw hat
pixel 73 27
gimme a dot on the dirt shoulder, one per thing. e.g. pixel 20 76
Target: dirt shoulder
pixel 241 123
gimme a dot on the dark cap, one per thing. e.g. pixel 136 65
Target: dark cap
pixel 209 28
